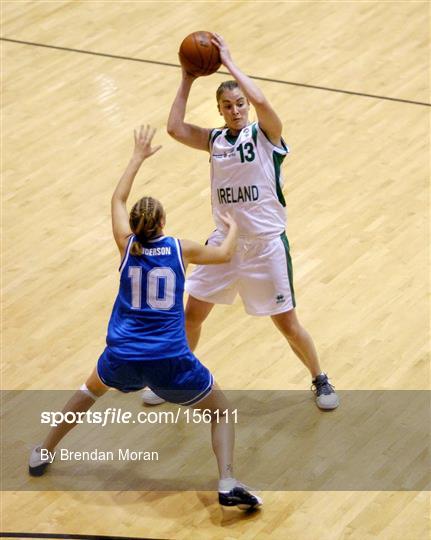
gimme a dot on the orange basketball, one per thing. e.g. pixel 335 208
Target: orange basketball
pixel 198 55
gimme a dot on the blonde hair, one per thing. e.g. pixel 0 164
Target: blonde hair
pixel 226 85
pixel 145 220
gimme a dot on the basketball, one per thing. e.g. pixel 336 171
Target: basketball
pixel 198 55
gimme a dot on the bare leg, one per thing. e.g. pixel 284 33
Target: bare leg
pixel 299 340
pixel 230 491
pixel 196 312
pixel 222 430
pixel 79 402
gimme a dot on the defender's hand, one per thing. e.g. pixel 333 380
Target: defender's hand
pixel 143 139
pixel 230 222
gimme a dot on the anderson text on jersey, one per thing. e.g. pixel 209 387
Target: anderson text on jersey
pixel 157 251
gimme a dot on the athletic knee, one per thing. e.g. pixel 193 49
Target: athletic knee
pixel 291 330
pixel 94 387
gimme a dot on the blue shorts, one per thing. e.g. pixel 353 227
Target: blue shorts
pixel 183 380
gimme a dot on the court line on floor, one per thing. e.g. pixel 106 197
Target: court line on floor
pixel 266 79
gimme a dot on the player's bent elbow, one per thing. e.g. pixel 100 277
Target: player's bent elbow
pixel 172 131
pixel 176 131
pixel 117 200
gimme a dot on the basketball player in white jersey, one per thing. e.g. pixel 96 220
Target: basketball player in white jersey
pixel 246 180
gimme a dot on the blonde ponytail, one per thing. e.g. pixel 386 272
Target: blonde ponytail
pixel 146 221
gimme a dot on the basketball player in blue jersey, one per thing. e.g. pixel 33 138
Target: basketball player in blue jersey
pixel 246 180
pixel 146 341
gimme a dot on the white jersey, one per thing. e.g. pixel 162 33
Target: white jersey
pixel 246 181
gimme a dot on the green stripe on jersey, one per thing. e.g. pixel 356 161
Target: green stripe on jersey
pixel 289 264
pixel 284 145
pixel 254 133
pixel 213 135
pixel 278 160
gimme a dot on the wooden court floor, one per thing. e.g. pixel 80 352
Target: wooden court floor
pixel 350 81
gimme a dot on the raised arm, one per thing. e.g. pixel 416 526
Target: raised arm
pixel 188 134
pixel 197 254
pixel 268 118
pixel 120 216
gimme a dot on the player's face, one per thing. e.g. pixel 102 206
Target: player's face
pixel 234 107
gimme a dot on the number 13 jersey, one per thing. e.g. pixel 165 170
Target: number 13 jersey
pixel 147 321
pixel 246 181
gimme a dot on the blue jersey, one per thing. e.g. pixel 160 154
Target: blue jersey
pixel 147 321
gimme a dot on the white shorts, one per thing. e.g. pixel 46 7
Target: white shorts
pixel 260 271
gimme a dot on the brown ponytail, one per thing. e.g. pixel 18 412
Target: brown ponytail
pixel 145 220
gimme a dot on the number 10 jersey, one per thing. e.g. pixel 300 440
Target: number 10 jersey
pixel 147 321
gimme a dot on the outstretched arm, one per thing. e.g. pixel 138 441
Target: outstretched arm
pixel 120 216
pixel 197 254
pixel 188 134
pixel 268 118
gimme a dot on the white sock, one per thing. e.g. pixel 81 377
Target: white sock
pixel 88 392
pixel 226 484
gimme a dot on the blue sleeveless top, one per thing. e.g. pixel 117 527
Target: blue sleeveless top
pixel 147 321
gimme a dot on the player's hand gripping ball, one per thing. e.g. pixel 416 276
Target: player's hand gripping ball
pixel 198 55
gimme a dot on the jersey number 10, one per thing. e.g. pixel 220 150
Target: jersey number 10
pixel 160 287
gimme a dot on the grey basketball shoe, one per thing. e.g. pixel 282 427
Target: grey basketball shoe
pixel 326 398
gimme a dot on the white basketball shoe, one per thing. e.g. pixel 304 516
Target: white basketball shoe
pixel 150 398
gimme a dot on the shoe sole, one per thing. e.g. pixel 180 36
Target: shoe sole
pixel 39 470
pixel 244 500
pixel 155 402
pixel 328 407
